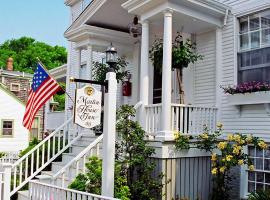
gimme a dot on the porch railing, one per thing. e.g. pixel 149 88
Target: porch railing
pixel 187 119
pixel 42 191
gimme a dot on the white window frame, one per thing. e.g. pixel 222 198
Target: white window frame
pixel 256 171
pixel 253 31
pixel 15 84
pixel 2 128
pixel 249 49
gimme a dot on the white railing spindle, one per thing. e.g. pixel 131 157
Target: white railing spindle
pixel 74 164
pixel 42 191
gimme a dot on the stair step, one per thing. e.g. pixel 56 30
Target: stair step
pixel 23 195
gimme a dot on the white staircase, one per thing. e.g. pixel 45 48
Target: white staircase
pixel 73 162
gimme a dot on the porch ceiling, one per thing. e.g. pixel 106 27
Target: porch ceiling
pixel 111 16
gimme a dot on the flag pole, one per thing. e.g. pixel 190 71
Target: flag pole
pixel 42 65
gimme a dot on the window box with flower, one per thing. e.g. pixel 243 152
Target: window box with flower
pixel 250 93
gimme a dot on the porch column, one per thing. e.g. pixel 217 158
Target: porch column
pixel 144 70
pixel 89 61
pixel 166 132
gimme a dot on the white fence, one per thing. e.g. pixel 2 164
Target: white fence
pixel 5 171
pixel 42 191
pixel 187 119
pixel 9 157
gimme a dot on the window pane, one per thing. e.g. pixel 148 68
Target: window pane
pixel 255 39
pixel 267 187
pixel 251 187
pixel 260 177
pixel 256 57
pixel 259 163
pixel 254 23
pixel 243 25
pixel 266 37
pixel 267 153
pixel 7 132
pixel 251 151
pixel 259 187
pixel 267 164
pixel 267 178
pixel 244 42
pixel 7 124
pixel 244 59
pixel 251 176
pixel 259 153
pixel 265 19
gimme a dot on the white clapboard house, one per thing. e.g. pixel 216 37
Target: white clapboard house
pixel 234 38
pixel 13 136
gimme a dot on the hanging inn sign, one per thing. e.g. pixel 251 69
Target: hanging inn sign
pixel 87 107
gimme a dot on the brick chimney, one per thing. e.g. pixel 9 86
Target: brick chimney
pixel 10 64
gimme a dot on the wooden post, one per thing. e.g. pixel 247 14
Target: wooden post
pixel 109 127
pixel 7 180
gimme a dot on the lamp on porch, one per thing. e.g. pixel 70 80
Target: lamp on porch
pixel 111 56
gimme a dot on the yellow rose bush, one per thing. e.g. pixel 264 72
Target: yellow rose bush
pixel 225 153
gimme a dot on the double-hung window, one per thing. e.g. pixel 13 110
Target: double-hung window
pixel 7 128
pixel 254 48
pixel 259 179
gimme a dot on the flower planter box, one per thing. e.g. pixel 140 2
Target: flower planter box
pixel 249 98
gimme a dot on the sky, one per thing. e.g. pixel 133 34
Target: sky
pixel 43 20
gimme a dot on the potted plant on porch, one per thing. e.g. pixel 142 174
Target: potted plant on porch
pixel 183 53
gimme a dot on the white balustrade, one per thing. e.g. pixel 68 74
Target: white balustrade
pixel 187 119
pixel 33 162
pixel 42 191
pixel 78 163
pixel 153 117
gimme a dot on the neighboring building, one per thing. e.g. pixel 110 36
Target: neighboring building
pixel 19 83
pixel 13 136
pixel 232 35
pixel 53 118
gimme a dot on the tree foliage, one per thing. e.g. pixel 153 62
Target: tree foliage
pixel 100 70
pixel 134 154
pixel 25 51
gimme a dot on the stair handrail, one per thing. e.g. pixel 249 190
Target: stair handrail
pixel 46 158
pixel 60 128
pixel 83 154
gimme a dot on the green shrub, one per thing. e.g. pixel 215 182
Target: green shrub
pixel 91 181
pixel 2 154
pixel 259 195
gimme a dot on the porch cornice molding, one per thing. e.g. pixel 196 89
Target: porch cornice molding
pixel 135 6
pixel 85 15
pixel 96 36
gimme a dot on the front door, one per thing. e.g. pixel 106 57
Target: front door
pixel 157 87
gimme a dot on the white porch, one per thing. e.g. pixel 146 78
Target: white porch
pixel 162 18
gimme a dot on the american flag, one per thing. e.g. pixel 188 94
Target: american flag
pixel 42 89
